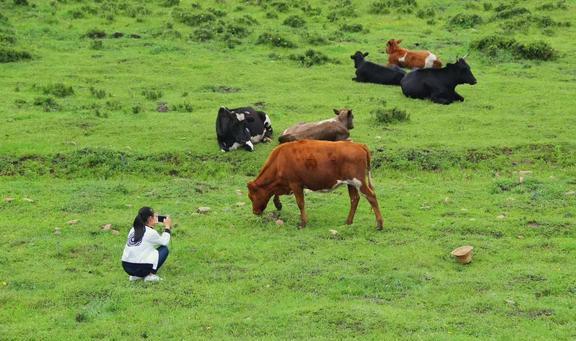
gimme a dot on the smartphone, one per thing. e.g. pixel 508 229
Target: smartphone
pixel 161 218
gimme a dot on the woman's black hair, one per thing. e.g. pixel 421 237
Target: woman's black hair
pixel 140 222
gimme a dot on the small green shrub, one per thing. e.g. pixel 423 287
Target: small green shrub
pixel 463 20
pixel 511 12
pixel 393 6
pixel 98 93
pixel 274 39
pixel 11 56
pixel 487 6
pixel 182 107
pixel 387 116
pixel 7 39
pixel 202 34
pixel 426 13
pixel 192 19
pixel 152 94
pixel 21 2
pixel 95 34
pixel 58 90
pixel 217 12
pixel 553 6
pixel 311 58
pixel 294 21
pixel 48 104
pixel 495 45
pixel 171 3
pixel 352 28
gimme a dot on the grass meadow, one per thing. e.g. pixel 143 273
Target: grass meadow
pixel 85 138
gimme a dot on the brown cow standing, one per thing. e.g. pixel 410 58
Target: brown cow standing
pixel 334 129
pixel 316 165
pixel 410 59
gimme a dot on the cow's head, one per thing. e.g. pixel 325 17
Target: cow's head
pixel 358 58
pixel 346 117
pixel 392 45
pixel 462 71
pixel 233 125
pixel 259 198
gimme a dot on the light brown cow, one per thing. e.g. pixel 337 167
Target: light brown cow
pixel 316 165
pixel 410 59
pixel 334 129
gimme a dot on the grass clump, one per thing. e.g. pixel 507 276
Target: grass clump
pixel 295 21
pixel 275 40
pixel 396 6
pixel 152 94
pixel 388 116
pixel 352 28
pixel 496 46
pixel 426 13
pixel 98 93
pixel 182 107
pixel 508 13
pixel 553 6
pixel 463 20
pixel 58 90
pixel 48 104
pixel 312 57
pixel 191 19
pixel 171 3
pixel 95 34
pixel 10 56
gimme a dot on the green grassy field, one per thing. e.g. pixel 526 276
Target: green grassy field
pixel 82 140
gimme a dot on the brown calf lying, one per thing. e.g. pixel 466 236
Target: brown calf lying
pixel 410 59
pixel 334 129
pixel 316 165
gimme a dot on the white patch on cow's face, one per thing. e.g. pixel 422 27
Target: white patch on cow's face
pixel 430 60
pixel 240 117
pixel 403 58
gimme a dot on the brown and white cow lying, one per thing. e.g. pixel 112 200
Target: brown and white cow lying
pixel 334 129
pixel 410 59
pixel 316 165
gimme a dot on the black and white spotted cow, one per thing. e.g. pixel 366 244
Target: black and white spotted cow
pixel 242 127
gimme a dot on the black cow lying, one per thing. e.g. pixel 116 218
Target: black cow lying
pixel 242 127
pixel 369 72
pixel 438 84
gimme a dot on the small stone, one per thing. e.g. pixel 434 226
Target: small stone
pixel 279 222
pixel 524 173
pixel 115 232
pixel 447 200
pixel 27 200
pixel 510 302
pixel 333 232
pixel 8 199
pixel 203 210
pixel 240 204
pixel 520 236
pixel 570 193
pixel 57 230
pixel 72 222
pixel 501 216
pixel 106 227
pixel 129 205
pixel 238 192
pixel 162 107
pixel 521 179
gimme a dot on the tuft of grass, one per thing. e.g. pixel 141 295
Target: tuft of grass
pixel 152 94
pixel 494 46
pixel 275 40
pixel 8 55
pixel 311 58
pixel 58 89
pixel 388 116
pixel 48 104
pixel 463 20
pixel 295 21
pixel 95 34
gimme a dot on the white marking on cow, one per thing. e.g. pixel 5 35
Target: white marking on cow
pixel 240 117
pixel 249 144
pixel 236 145
pixel 430 60
pixel 354 182
pixel 325 121
pixel 284 132
pixel 257 138
pixel 403 58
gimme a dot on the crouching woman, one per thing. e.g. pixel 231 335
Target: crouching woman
pixel 146 250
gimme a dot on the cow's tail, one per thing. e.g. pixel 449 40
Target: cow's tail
pixel 286 138
pixel 268 126
pixel 437 64
pixel 368 173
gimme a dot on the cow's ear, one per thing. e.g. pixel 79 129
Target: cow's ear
pixel 365 54
pixel 336 111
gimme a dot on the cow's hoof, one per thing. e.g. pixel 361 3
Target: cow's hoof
pixel 379 227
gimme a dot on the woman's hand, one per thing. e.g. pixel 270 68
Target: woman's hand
pixel 168 223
